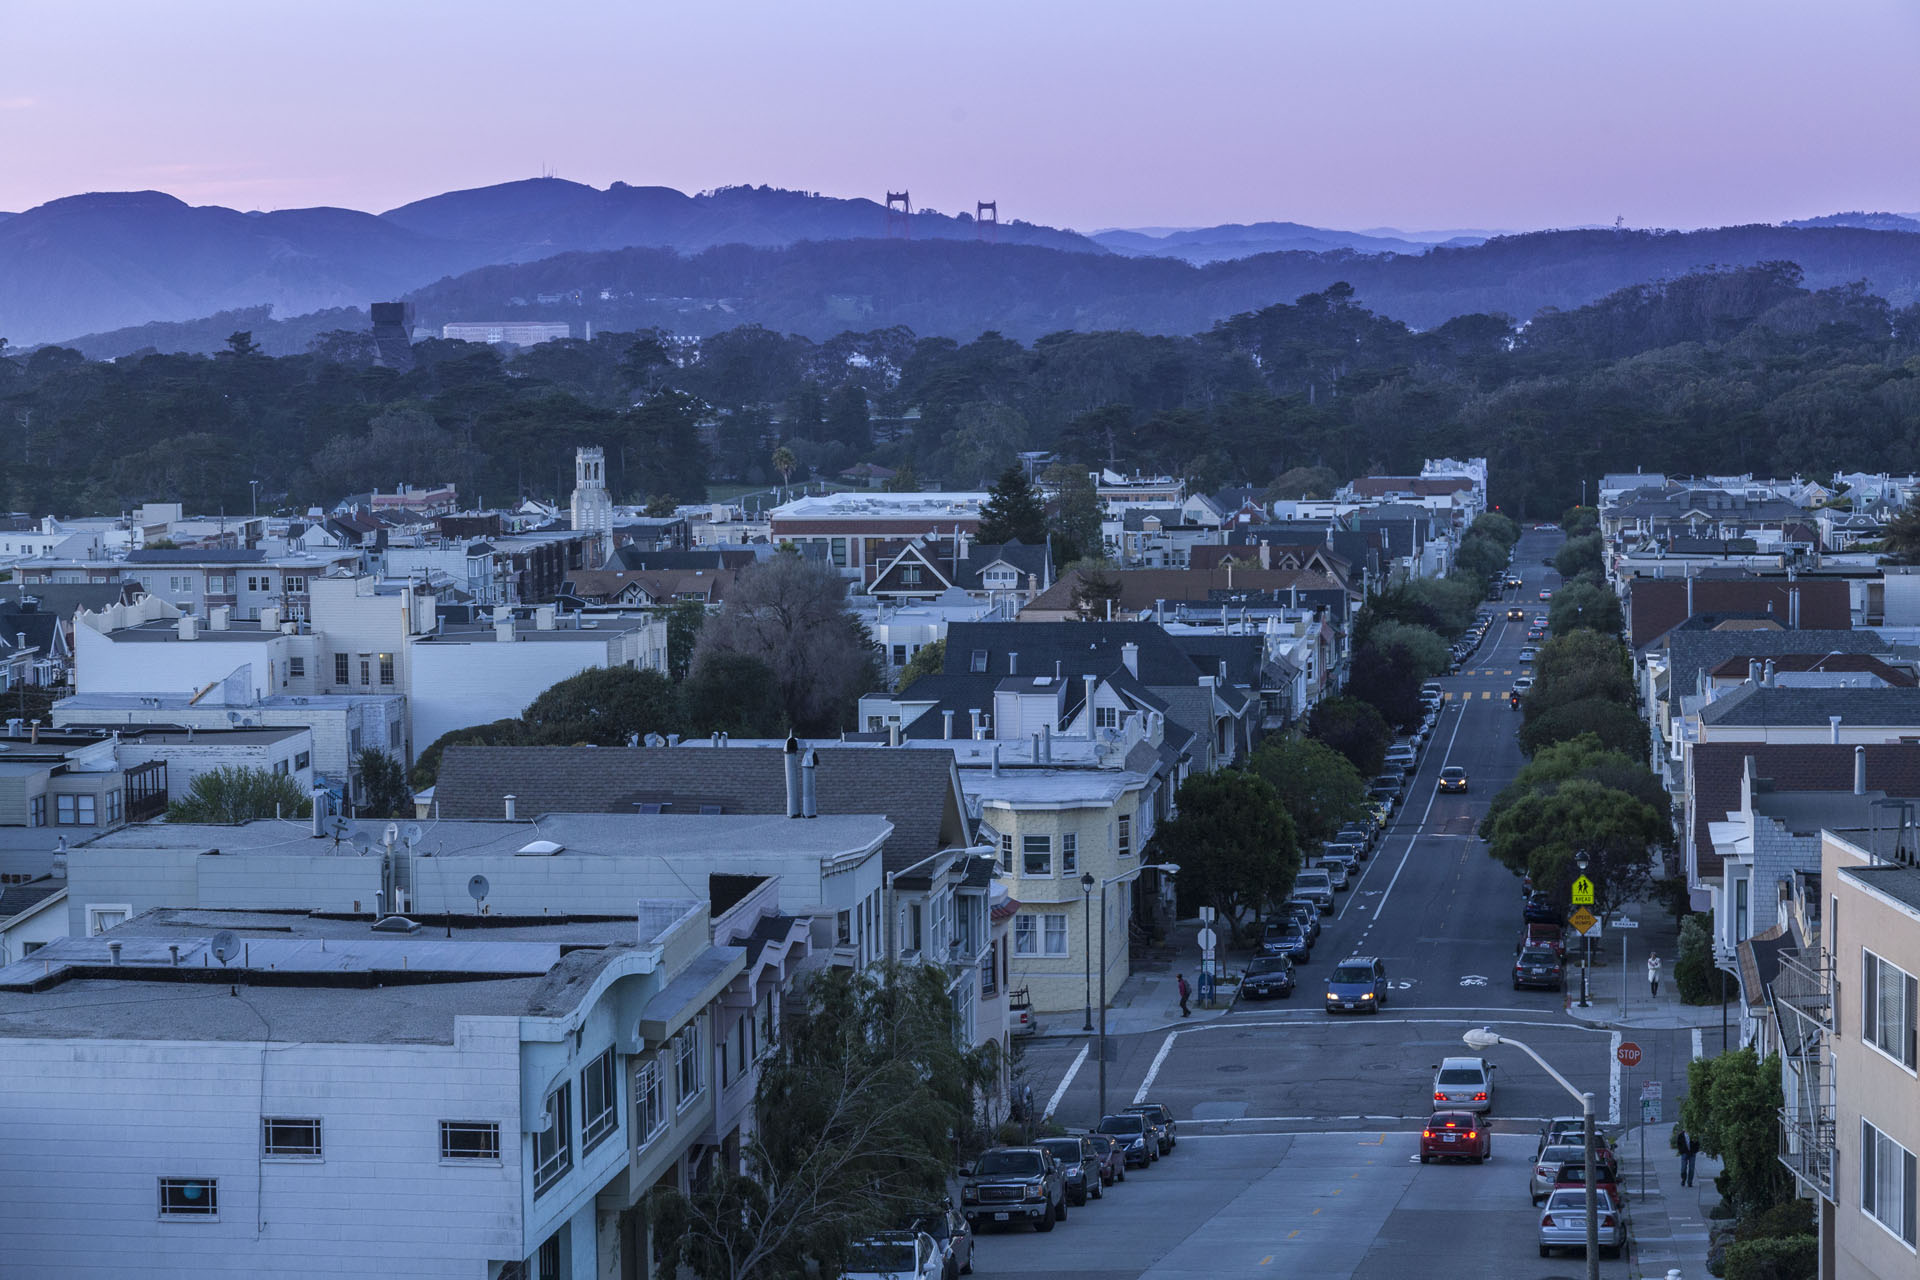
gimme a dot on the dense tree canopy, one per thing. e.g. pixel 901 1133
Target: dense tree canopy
pixel 1319 787
pixel 1235 845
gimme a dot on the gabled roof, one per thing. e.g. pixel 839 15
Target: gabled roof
pixel 1134 519
pixel 961 572
pixel 1656 606
pixel 918 791
pixel 1736 668
pixel 632 556
pixel 1718 767
pixel 1079 648
pixel 1690 652
pixel 1751 705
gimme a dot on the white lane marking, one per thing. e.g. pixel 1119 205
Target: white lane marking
pixel 1166 1047
pixel 1613 1079
pixel 1414 838
pixel 1381 1018
pixel 1053 1103
pixel 1417 1119
pixel 1699 1049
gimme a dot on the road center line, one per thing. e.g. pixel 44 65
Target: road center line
pixel 1380 906
pixel 1153 1072
pixel 1053 1103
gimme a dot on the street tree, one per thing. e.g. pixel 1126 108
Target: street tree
pixel 861 1106
pixel 1579 555
pixel 791 615
pixel 1096 589
pixel 235 793
pixel 1387 680
pixel 1319 787
pixel 1732 1105
pixel 1234 843
pixel 1013 511
pixel 1076 519
pixel 604 707
pixel 1584 603
pixel 1544 833
pixel 1421 650
pixel 1355 729
pixel 1578 757
pixel 684 620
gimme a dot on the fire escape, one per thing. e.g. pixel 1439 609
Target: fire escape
pixel 1803 1005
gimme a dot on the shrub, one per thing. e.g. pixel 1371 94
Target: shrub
pixel 1693 971
pixel 1773 1258
pixel 1788 1218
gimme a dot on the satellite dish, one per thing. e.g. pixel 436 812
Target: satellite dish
pixel 411 833
pixel 225 946
pixel 362 845
pixel 392 833
pixel 477 889
pixel 339 828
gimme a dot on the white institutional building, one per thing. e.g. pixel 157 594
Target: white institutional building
pixel 592 504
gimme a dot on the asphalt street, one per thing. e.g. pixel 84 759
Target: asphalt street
pixel 1300 1129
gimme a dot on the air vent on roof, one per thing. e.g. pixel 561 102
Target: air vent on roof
pixel 539 849
pixel 395 924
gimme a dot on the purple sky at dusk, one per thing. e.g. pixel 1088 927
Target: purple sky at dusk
pixel 1345 113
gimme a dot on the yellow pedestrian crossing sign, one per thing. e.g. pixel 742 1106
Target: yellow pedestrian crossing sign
pixel 1583 892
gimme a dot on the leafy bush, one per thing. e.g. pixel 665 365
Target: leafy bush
pixel 1773 1258
pixel 1789 1218
pixel 1693 971
pixel 238 794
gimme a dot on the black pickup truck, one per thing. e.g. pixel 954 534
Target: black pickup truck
pixel 1014 1184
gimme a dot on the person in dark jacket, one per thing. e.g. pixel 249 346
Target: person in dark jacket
pixel 1689 1148
pixel 1185 993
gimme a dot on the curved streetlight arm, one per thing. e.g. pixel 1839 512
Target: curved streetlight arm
pixel 1485 1038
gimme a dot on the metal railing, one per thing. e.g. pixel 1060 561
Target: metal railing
pixel 1803 1010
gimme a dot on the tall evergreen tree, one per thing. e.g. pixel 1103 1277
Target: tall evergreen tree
pixel 1013 512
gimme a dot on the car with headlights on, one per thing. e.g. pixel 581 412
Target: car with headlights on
pixel 1135 1134
pixel 1464 1084
pixel 1357 984
pixel 1455 1135
pixel 1453 778
pixel 1268 976
pixel 1079 1167
pixel 1563 1223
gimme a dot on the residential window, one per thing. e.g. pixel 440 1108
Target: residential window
pixel 899 655
pixel 37 812
pixel 393 737
pixel 386 668
pixel 837 549
pixel 74 811
pixel 1887 1183
pixel 1056 934
pixel 1036 855
pixel 190 1198
pixel 341 668
pixel 1026 935
pixel 1069 854
pixel 1888 1011
pixel 1106 717
pixel 366 669
pixel 1006 852
pixel 688 1079
pixel 301 760
pixel 979 662
pixel 649 1104
pixel 101 919
pixel 292 584
pixel 116 807
pixel 469 1140
pixel 599 1102
pixel 910 575
pixel 1037 934
pixel 297 668
pixel 743 1047
pixel 768 1028
pixel 280 768
pixel 553 1146
pixel 843 929
pixel 289 1139
pixel 1124 842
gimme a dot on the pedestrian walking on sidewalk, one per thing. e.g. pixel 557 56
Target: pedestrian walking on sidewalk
pixel 1689 1148
pixel 1185 992
pixel 1653 976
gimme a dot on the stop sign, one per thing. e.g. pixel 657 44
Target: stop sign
pixel 1628 1053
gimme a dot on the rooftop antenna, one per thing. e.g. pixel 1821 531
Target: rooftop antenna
pixel 339 828
pixel 225 946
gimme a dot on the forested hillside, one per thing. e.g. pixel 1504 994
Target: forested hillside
pixel 1725 370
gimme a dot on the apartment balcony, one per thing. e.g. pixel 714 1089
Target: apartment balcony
pixel 1803 1009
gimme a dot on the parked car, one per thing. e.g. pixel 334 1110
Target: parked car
pixel 1572 1174
pixel 1305 914
pixel 896 1255
pixel 1563 1224
pixel 1079 1167
pixel 1453 778
pixel 1553 1160
pixel 1455 1135
pixel 1355 833
pixel 1316 886
pixel 1540 909
pixel 1014 1184
pixel 1357 984
pixel 1113 1157
pixel 1020 1017
pixel 1403 757
pixel 1285 940
pixel 1337 872
pixel 1161 1114
pixel 1563 1130
pixel 1132 1130
pixel 1268 976
pixel 950 1231
pixel 1538 967
pixel 1463 1083
pixel 1549 935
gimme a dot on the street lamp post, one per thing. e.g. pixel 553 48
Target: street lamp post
pixel 1171 868
pixel 1484 1038
pixel 1586 941
pixel 1086 930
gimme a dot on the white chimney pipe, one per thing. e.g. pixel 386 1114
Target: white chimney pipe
pixel 946 724
pixel 1013 662
pixel 973 723
pixel 1766 677
pixel 509 803
pixel 809 790
pixel 1046 743
pixel 1130 658
pixel 1091 682
pixel 1833 727
pixel 1859 771
pixel 792 761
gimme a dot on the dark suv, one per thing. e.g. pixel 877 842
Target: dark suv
pixel 1538 967
pixel 1285 938
pixel 1079 1166
pixel 1358 984
pixel 1158 1113
pixel 1136 1136
pixel 1014 1184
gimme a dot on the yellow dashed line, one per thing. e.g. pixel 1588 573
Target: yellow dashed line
pixel 1293 1233
pixel 1485 694
pixel 1269 1258
pixel 1311 1214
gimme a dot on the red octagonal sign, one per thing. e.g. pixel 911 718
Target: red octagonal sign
pixel 1628 1053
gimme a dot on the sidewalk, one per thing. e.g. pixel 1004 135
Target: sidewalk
pixel 1149 1000
pixel 1669 1221
pixel 1656 932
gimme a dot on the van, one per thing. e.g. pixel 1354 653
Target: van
pixel 1316 887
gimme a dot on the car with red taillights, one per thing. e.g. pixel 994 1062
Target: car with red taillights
pixel 1563 1223
pixel 1455 1135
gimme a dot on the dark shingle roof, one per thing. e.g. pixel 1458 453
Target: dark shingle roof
pixel 62 598
pixel 170 555
pixel 918 790
pixel 1081 648
pixel 1901 883
pixel 1656 606
pixel 1756 705
pixel 1831 663
pixel 1691 652
pixel 1893 768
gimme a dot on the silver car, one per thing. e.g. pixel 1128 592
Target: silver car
pixel 1563 1223
pixel 1463 1084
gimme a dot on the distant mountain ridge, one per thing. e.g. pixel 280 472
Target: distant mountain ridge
pixel 1228 241
pixel 104 261
pixel 1865 221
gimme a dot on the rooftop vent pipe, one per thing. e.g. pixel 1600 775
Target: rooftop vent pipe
pixel 1833 727
pixel 509 800
pixel 809 787
pixel 946 724
pixel 792 762
pixel 1859 771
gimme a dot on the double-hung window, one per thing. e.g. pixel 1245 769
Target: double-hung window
pixel 1040 934
pixel 599 1101
pixel 1069 854
pixel 342 668
pixel 1036 855
pixel 1056 937
pixel 553 1146
pixel 649 1101
pixel 1887 1179
pixel 1124 840
pixel 386 668
pixel 1888 1014
pixel 1026 934
pixel 1106 717
pixel 687 1076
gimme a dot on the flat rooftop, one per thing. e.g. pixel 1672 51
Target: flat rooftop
pixel 300 977
pixel 1901 883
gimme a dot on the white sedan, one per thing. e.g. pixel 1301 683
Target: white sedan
pixel 1463 1084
